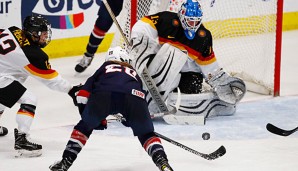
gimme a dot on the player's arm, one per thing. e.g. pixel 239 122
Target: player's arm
pixel 84 93
pixel 227 88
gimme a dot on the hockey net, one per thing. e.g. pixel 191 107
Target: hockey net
pixel 246 38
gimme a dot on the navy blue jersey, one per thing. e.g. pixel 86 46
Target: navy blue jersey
pixel 114 77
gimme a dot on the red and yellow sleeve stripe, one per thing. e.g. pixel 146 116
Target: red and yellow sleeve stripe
pixel 195 55
pixel 46 74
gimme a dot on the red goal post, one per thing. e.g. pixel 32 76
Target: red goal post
pixel 247 35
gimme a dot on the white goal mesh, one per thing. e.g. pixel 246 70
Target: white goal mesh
pixel 244 35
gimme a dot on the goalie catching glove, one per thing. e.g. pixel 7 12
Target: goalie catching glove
pixel 228 89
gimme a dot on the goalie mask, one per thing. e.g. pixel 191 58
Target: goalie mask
pixel 190 15
pixel 38 29
pixel 118 54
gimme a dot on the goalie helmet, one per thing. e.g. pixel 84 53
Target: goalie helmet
pixel 190 15
pixel 118 54
pixel 37 27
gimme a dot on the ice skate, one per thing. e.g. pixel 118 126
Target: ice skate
pixel 62 165
pixel 24 147
pixel 84 63
pixel 3 131
pixel 161 162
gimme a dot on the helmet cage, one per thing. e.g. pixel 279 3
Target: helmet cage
pixel 190 15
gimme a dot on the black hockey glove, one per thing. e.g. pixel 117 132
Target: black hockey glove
pixel 103 125
pixel 73 92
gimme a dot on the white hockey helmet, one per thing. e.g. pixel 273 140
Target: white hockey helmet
pixel 117 54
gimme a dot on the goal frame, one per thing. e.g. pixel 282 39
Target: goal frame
pixel 278 43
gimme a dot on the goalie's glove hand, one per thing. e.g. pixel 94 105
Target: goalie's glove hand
pixel 228 89
pixel 73 92
pixel 103 125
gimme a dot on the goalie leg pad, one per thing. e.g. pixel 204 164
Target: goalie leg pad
pixel 142 49
pixel 164 69
pixel 205 104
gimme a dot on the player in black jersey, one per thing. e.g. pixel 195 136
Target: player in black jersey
pixel 21 56
pixel 178 51
pixel 114 88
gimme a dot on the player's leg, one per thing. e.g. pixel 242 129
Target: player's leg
pixel 10 93
pixel 139 119
pixel 14 92
pixel 102 24
pixel 24 119
pixel 96 109
pixel 77 141
pixel 152 145
pixel 3 130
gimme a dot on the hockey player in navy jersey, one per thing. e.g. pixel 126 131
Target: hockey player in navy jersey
pixel 102 24
pixel 114 88
pixel 21 56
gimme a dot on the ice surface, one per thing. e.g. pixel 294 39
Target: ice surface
pixel 249 146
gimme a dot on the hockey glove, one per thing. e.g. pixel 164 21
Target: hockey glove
pixel 82 99
pixel 103 125
pixel 227 88
pixel 73 91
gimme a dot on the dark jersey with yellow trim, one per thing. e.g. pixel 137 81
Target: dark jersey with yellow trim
pixel 170 31
pixel 36 56
pixel 20 58
pixel 166 26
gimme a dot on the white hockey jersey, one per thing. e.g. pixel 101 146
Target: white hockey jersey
pixel 20 58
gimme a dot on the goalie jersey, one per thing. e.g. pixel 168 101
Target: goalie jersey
pixel 166 28
pixel 20 58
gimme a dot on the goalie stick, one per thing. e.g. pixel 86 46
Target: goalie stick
pixel 152 88
pixel 145 74
pixel 278 131
pixel 212 156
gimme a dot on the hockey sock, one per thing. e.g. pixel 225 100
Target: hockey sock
pixel 152 144
pixel 95 39
pixel 75 144
pixel 25 116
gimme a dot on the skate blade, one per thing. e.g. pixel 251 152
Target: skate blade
pixel 26 153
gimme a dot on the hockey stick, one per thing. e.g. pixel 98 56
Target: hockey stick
pixel 173 111
pixel 212 156
pixel 278 131
pixel 145 74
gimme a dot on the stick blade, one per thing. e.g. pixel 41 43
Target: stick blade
pixel 216 154
pixel 275 130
